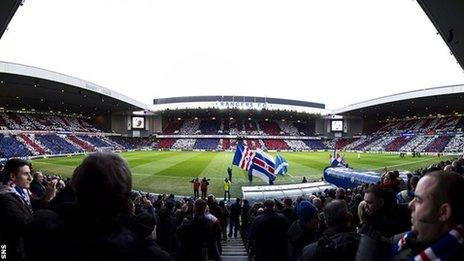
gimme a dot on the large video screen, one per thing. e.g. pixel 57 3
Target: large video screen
pixel 336 125
pixel 138 123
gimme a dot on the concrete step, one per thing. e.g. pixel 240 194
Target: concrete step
pixel 234 252
pixel 234 258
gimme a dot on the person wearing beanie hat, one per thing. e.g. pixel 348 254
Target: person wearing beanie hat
pixel 306 212
pixel 304 230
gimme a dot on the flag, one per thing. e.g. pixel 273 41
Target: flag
pixel 281 165
pixel 336 160
pixel 243 156
pixel 263 167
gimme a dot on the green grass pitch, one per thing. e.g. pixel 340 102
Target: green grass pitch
pixel 171 171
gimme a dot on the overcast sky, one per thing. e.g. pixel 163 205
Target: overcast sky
pixel 335 52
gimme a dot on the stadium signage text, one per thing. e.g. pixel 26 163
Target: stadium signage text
pixel 241 105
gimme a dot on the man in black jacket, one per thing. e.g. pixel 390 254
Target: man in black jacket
pixel 268 234
pixel 15 207
pixel 234 221
pixel 340 240
pixel 196 236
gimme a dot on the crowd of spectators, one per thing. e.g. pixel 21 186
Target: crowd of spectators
pixel 96 215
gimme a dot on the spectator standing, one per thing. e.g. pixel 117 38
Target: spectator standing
pixel 204 187
pixel 303 231
pixel 234 221
pixel 288 210
pixel 227 186
pixel 340 240
pixel 143 227
pixel 196 187
pixel 245 220
pixel 223 218
pixel 268 234
pixel 229 172
pixel 196 235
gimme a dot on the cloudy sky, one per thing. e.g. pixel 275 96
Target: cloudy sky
pixel 334 52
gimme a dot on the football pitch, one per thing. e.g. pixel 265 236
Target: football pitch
pixel 172 171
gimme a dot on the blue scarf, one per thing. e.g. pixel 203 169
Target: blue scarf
pixel 442 249
pixel 22 193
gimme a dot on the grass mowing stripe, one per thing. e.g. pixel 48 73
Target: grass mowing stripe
pixel 142 158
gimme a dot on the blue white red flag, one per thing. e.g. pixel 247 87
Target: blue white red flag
pixel 243 156
pixel 263 167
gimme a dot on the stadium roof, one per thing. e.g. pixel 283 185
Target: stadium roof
pixel 446 16
pixel 7 10
pixel 238 99
pixel 444 100
pixel 29 88
pixel 237 102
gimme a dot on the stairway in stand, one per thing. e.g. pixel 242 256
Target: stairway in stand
pixel 234 250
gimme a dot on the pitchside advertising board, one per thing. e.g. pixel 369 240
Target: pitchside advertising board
pixel 138 123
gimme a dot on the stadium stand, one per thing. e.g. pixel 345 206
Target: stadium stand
pixel 32 144
pixel 166 143
pixel 209 127
pixel 130 143
pixel 276 144
pixel 95 141
pixel 11 147
pixel 224 144
pixel 172 127
pixel 315 144
pixel 455 145
pixel 57 145
pixel 84 145
pixel 298 145
pixel 184 144
pixel 288 128
pixel 270 128
pixel 303 128
pixel 206 144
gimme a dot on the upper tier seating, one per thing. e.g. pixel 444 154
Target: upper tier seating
pixel 270 128
pixel 209 127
